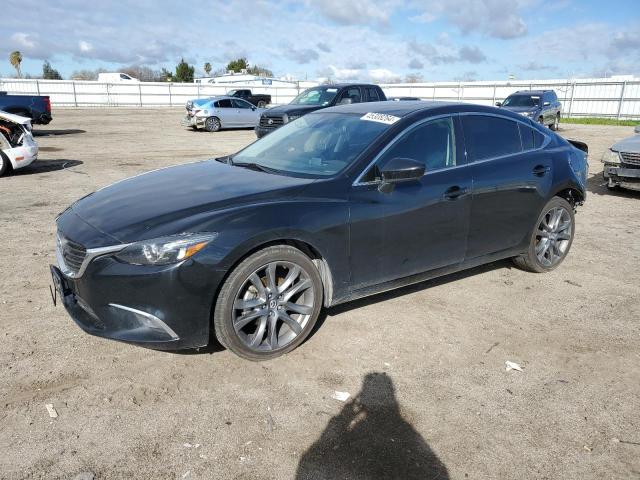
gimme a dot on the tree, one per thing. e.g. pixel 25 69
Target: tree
pixel 207 68
pixel 260 71
pixel 237 65
pixel 166 75
pixel 50 73
pixel 184 72
pixel 16 59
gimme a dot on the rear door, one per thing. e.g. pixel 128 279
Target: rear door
pixel 510 182
pixel 227 113
pixel 422 224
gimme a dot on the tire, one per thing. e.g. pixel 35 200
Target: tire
pixel 261 104
pixel 250 304
pixel 5 165
pixel 556 123
pixel 212 124
pixel 550 240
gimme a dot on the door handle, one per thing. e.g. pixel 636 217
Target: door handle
pixel 541 170
pixel 455 192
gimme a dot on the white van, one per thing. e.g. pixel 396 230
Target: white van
pixel 116 77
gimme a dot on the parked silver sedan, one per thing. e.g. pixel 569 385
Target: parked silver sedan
pixel 622 163
pixel 216 113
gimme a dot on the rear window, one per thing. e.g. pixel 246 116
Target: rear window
pixel 531 138
pixel 489 137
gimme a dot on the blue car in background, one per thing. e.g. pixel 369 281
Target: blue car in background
pixel 215 113
pixel 541 106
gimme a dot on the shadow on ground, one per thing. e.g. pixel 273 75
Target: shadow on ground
pixel 45 166
pixel 49 133
pixel 597 185
pixel 369 439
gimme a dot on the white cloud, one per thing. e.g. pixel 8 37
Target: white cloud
pixel 23 40
pixel 85 46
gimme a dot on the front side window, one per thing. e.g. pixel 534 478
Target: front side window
pixel 315 145
pixel 432 143
pixel 125 77
pixel 352 93
pixel 241 103
pixel 488 137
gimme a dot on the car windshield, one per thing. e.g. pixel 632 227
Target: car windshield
pixel 316 96
pixel 316 145
pixel 522 101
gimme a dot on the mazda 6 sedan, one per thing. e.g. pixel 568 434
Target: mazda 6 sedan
pixel 336 205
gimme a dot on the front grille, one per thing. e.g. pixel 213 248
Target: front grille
pixel 271 122
pixel 630 158
pixel 73 253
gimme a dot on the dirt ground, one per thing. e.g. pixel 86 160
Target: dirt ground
pixel 426 364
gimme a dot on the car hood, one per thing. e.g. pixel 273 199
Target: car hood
pixel 294 109
pixel 629 144
pixel 178 199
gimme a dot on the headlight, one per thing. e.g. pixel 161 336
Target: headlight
pixel 291 118
pixel 165 250
pixel 611 156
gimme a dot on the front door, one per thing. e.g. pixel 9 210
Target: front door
pixel 420 225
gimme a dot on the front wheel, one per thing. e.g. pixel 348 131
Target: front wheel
pixel 261 104
pixel 551 239
pixel 269 303
pixel 212 124
pixel 556 123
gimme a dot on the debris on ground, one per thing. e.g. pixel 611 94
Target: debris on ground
pixel 85 476
pixel 52 410
pixel 341 396
pixel 512 366
pixel 575 284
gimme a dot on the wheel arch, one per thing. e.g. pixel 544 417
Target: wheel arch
pixel 573 195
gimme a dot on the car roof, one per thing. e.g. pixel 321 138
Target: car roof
pixel 343 85
pixel 403 109
pixel 531 92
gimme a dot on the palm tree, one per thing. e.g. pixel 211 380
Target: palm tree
pixel 16 59
pixel 207 68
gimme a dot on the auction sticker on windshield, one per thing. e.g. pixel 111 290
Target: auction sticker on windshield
pixel 380 118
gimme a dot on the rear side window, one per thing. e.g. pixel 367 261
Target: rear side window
pixel 372 95
pixel 353 93
pixel 225 103
pixel 531 138
pixel 489 137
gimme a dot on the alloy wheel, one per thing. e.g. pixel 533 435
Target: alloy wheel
pixel 553 236
pixel 273 306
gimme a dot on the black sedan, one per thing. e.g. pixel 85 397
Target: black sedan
pixel 339 204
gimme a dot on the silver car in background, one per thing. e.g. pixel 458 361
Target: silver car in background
pixel 622 163
pixel 216 113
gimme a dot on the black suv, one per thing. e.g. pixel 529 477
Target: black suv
pixel 316 98
pixel 541 106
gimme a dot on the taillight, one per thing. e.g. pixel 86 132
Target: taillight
pixel 47 104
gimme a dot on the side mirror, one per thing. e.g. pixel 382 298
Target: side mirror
pixel 498 104
pixel 253 108
pixel 546 104
pixel 345 101
pixel 399 170
pixel 637 129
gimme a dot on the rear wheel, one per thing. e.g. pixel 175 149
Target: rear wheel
pixel 269 303
pixel 5 165
pixel 551 239
pixel 212 124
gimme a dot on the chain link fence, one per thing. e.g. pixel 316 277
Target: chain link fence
pixel 580 98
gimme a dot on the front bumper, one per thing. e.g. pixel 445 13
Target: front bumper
pixel 621 176
pixel 262 131
pixel 159 307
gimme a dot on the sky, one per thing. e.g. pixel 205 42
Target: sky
pixel 369 40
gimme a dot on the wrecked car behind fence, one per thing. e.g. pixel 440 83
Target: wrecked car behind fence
pixel 17 146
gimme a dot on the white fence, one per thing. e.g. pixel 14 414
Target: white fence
pixel 580 98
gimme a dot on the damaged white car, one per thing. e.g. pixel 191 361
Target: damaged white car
pixel 17 146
